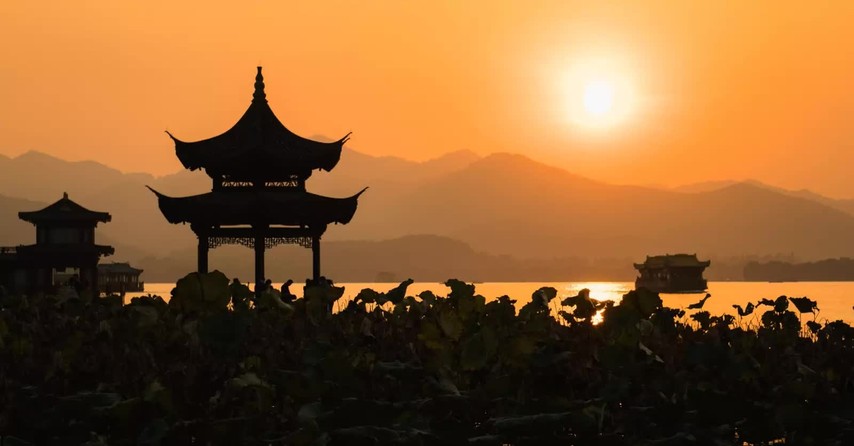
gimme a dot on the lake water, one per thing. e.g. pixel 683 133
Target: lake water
pixel 835 299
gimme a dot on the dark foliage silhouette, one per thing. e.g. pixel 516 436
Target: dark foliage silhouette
pixel 390 368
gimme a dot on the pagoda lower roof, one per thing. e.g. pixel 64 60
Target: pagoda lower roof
pixel 65 211
pixel 258 146
pixel 246 206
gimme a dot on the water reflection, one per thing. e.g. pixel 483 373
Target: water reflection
pixel 600 291
pixel 834 298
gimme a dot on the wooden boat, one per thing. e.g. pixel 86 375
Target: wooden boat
pixel 672 273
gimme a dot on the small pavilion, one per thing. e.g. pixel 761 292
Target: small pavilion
pixel 119 277
pixel 65 238
pixel 258 197
pixel 672 273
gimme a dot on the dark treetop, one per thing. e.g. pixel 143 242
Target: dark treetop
pixel 259 148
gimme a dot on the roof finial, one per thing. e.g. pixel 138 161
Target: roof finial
pixel 259 94
pixel 65 195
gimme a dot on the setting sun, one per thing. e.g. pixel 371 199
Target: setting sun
pixel 599 94
pixel 598 98
pixel 600 102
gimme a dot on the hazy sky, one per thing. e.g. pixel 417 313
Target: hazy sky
pixel 704 90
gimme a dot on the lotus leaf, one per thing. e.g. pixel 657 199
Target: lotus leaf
pixel 459 289
pixel 804 304
pixel 199 293
pixel 434 370
pixel 699 305
pixel 450 323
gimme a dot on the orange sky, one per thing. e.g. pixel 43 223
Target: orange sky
pixel 737 90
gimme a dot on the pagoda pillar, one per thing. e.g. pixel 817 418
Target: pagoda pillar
pixel 47 279
pixel 259 264
pixel 93 278
pixel 315 258
pixel 203 253
pixel 38 279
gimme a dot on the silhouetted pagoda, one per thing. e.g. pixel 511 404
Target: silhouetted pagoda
pixel 676 273
pixel 116 277
pixel 65 238
pixel 258 199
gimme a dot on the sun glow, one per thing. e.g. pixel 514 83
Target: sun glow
pixel 599 95
pixel 598 98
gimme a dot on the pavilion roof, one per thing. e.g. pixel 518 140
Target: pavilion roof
pixel 64 210
pixel 259 146
pixel 118 268
pixel 672 261
pixel 285 206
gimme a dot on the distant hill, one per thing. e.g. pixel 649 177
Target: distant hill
pixel 845 205
pixel 16 232
pixel 427 258
pixel 355 167
pixel 510 204
pixel 493 212
pixel 703 186
pixel 41 177
pixel 828 270
pixel 137 220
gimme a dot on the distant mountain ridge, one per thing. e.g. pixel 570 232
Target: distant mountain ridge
pixel 842 204
pixel 535 209
pixel 424 258
pixel 39 176
pixel 137 220
pixel 498 205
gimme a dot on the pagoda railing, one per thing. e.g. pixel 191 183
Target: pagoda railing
pixel 289 183
pixel 236 184
pixel 249 242
pixel 273 236
pixel 293 182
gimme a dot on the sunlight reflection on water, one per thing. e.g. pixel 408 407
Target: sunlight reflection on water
pixel 600 291
pixel 519 291
pixel 834 298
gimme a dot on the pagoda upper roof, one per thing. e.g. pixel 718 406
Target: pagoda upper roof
pixel 672 261
pixel 65 210
pixel 259 146
pixel 285 206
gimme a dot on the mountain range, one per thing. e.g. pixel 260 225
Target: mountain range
pixel 496 217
